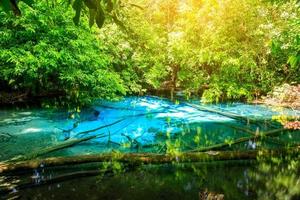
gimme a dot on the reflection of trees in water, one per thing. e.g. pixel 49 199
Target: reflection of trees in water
pixel 272 178
pixel 277 178
pixel 185 180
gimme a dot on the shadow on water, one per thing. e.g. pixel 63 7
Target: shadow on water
pixel 180 181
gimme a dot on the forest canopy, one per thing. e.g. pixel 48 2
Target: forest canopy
pixel 218 49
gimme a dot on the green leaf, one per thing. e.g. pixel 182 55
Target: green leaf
pixel 294 61
pixel 11 81
pixel 275 47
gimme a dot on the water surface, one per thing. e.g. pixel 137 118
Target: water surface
pixel 140 124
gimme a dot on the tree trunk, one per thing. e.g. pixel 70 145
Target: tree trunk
pixel 144 158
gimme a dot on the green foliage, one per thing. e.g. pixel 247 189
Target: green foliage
pixel 96 8
pixel 121 55
pixel 285 46
pixel 227 50
pixel 44 54
pixel 220 49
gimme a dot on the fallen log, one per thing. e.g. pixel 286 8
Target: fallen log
pixel 116 122
pixel 65 144
pixel 231 115
pixel 57 147
pixel 225 114
pixel 144 158
pixel 68 143
pixel 101 127
pixel 249 131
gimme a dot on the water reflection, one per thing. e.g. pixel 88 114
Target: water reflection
pixel 277 178
pixel 176 181
pixel 267 178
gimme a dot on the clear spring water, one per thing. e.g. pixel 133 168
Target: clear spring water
pixel 140 124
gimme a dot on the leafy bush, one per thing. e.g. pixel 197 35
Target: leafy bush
pixel 220 49
pixel 43 53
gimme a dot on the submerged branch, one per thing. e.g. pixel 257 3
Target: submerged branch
pixel 118 121
pixel 244 119
pixel 225 114
pixel 239 140
pixel 249 131
pixel 57 147
pixel 101 127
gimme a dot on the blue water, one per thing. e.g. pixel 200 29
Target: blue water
pixel 134 124
pixel 146 124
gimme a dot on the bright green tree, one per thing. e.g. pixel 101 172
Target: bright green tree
pixel 43 53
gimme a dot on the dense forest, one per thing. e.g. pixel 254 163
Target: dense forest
pixel 150 99
pixel 218 50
